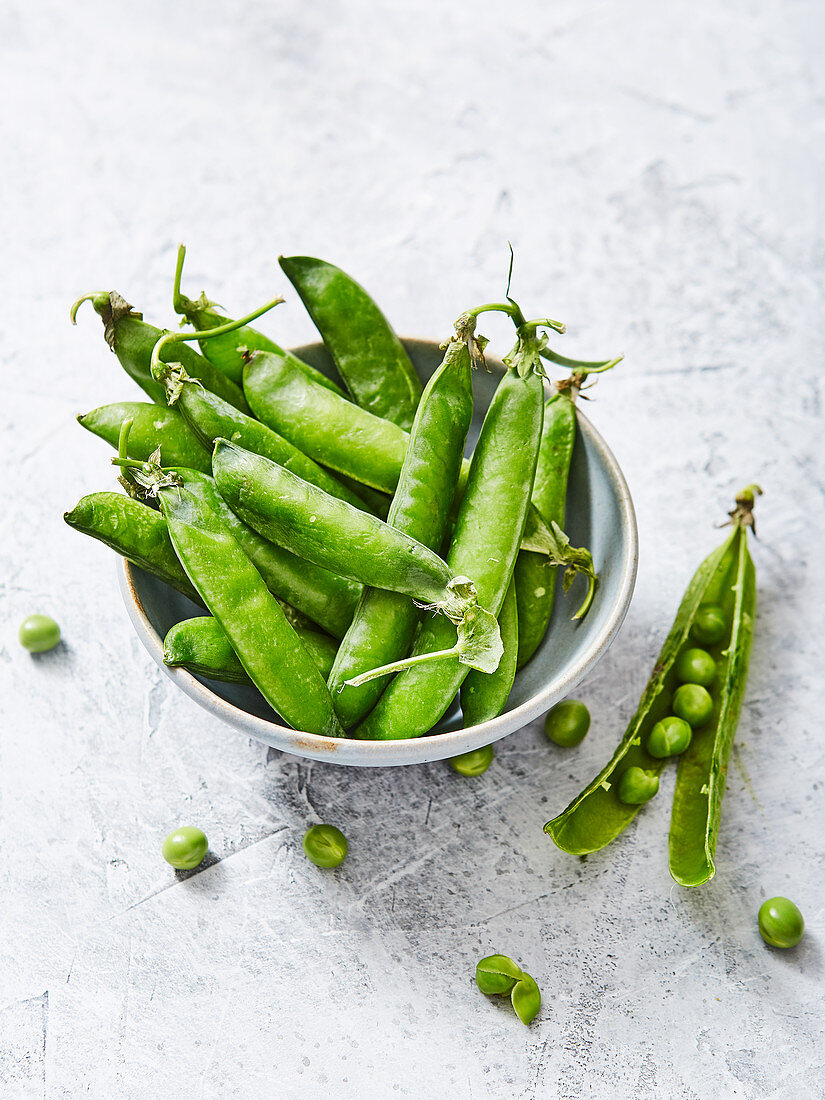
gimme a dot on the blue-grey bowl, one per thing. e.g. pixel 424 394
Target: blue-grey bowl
pixel 599 515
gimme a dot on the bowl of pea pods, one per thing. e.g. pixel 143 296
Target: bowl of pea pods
pixel 368 550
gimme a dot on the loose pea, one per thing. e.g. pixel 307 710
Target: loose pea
pixel 693 703
pixel 38 633
pixel 497 974
pixel 669 737
pixel 185 848
pixel 473 763
pixel 709 625
pixel 696 666
pixel 780 922
pixel 325 846
pixel 526 999
pixel 567 723
pixel 637 786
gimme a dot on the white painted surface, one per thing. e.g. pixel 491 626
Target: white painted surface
pixel 658 169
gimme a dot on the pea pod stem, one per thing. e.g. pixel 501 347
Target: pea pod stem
pixel 206 334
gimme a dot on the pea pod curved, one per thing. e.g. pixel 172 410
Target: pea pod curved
pixel 201 646
pixel 367 353
pixel 597 816
pixel 484 695
pixel 133 342
pixel 153 426
pixel 384 623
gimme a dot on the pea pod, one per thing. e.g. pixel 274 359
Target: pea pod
pixel 201 646
pixel 227 351
pixel 384 624
pixel 597 816
pixel 272 654
pixel 210 417
pixel 134 531
pixel 367 354
pixel 485 542
pixel 483 695
pixel 153 426
pixel 325 426
pixel 324 597
pixel 133 342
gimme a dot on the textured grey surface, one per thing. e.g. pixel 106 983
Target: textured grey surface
pixel 659 171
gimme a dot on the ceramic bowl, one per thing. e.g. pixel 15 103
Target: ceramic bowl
pixel 599 515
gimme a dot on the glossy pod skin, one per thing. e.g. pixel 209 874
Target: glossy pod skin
pixel 384 625
pixel 367 354
pixel 133 342
pixel 324 530
pixel 329 428
pixel 201 646
pixel 152 426
pixel 535 578
pixel 484 695
pixel 597 816
pixel 209 417
pixel 136 532
pixel 324 597
pixel 273 655
pixel 485 542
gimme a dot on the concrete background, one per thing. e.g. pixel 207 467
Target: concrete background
pixel 658 168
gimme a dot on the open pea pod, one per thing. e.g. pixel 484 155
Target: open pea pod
pixel 597 816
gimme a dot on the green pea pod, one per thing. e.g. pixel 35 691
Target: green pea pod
pixel 384 624
pixel 153 426
pixel 535 577
pixel 201 646
pixel 597 816
pixel 700 779
pixel 211 418
pixel 367 354
pixel 322 529
pixel 272 654
pixel 484 695
pixel 324 597
pixel 133 342
pixel 485 542
pixel 330 429
pixel 134 531
pixel 227 351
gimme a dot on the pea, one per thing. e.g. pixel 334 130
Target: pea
pixel 38 633
pixel 669 737
pixel 693 703
pixel 637 786
pixel 325 846
pixel 780 922
pixel 567 723
pixel 497 974
pixel 185 848
pixel 696 666
pixel 526 999
pixel 473 763
pixel 709 625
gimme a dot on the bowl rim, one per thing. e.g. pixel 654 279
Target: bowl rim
pixel 360 753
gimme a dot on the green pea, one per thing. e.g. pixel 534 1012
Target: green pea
pixel 637 786
pixel 497 974
pixel 709 624
pixel 526 999
pixel 473 763
pixel 780 922
pixel 567 723
pixel 185 848
pixel 696 666
pixel 693 703
pixel 325 846
pixel 38 633
pixel 669 737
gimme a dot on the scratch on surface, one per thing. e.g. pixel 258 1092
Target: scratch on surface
pixel 664 104
pixel 429 807
pixel 509 909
